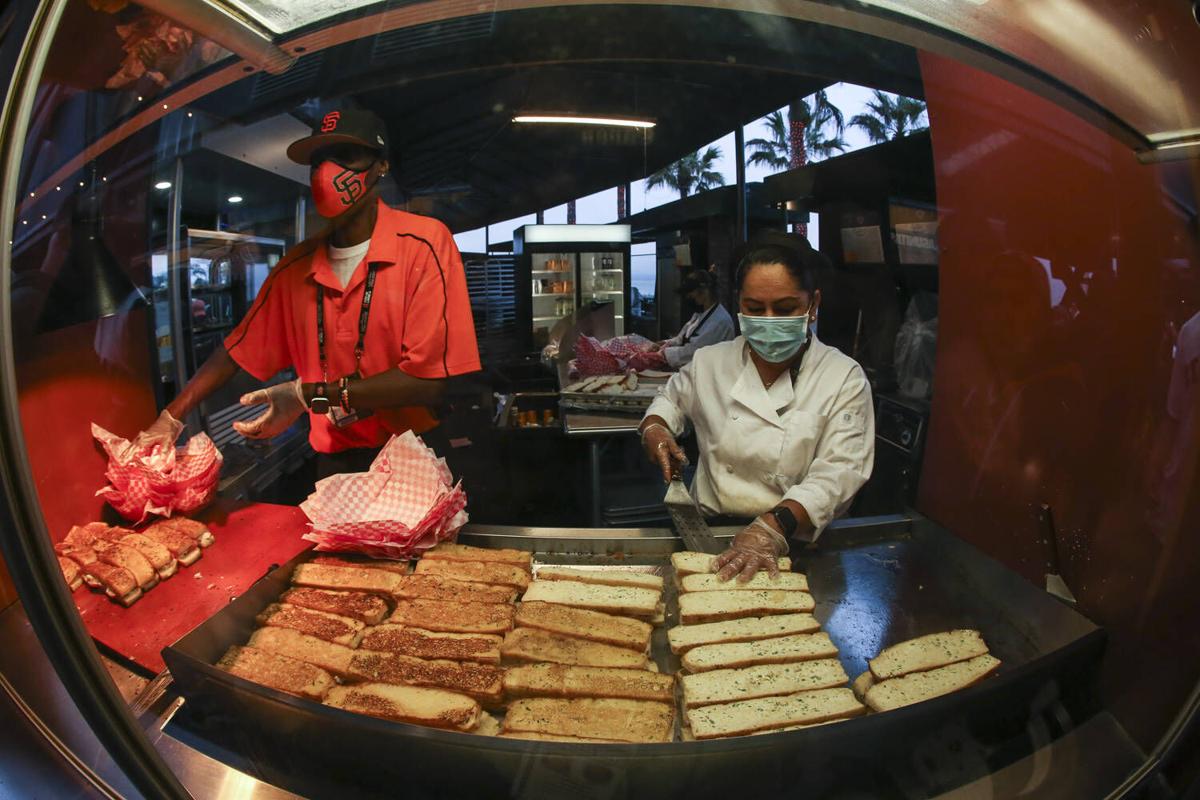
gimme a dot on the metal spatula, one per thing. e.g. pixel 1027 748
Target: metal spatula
pixel 689 523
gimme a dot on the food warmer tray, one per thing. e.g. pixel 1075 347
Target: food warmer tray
pixel 633 402
pixel 870 592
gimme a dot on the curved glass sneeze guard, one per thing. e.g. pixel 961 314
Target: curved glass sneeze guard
pixel 1022 293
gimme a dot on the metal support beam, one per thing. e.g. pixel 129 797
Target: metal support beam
pixel 739 151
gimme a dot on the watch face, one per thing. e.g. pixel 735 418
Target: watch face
pixel 319 405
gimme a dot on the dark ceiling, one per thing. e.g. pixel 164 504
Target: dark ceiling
pixel 448 92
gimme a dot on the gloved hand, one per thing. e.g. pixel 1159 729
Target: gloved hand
pixel 757 546
pixel 662 449
pixel 285 404
pixel 159 437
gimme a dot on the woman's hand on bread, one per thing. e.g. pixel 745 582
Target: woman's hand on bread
pixel 756 547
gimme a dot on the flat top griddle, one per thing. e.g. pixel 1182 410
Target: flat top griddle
pixel 869 594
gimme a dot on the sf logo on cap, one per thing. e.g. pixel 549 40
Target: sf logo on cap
pixel 330 122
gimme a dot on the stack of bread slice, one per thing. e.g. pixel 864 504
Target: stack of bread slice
pixel 374 637
pixel 125 563
pixel 578 665
pixel 754 657
pixel 923 668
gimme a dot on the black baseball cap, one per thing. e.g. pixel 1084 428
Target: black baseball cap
pixel 341 126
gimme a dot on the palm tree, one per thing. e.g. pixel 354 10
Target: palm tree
pixel 890 117
pixel 692 172
pixel 804 136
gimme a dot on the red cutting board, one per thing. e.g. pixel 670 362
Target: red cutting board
pixel 250 539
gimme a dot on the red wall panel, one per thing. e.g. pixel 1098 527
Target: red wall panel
pixel 1067 370
pixel 94 372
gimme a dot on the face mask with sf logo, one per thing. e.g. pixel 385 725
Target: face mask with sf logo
pixel 335 188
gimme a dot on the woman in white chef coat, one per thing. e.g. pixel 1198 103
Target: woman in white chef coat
pixel 709 325
pixel 784 423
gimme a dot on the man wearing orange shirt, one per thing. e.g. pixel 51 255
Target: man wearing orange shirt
pixel 373 314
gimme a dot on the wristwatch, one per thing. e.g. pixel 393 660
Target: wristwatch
pixel 786 519
pixel 320 400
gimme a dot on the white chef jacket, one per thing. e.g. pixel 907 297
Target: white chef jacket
pixel 701 330
pixel 812 442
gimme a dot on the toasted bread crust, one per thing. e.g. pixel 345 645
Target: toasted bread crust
pixel 484 682
pixel 526 644
pixel 475 572
pixel 562 680
pixel 277 672
pixel 624 720
pixel 434 587
pixel 582 623
pixel 420 643
pixel 330 627
pixel 355 579
pixel 436 708
pixel 451 617
pixel 362 606
pixel 450 551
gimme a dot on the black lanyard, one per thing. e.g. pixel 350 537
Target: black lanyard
pixel 699 325
pixel 363 315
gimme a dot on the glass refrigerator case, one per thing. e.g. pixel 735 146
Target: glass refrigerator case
pixel 214 283
pixel 565 268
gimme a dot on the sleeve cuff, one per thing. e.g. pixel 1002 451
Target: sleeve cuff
pixel 662 407
pixel 256 370
pixel 818 509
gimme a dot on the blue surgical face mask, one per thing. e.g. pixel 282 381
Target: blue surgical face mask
pixel 775 339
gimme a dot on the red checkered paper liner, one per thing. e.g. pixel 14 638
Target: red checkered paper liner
pixel 612 357
pixel 403 505
pixel 154 480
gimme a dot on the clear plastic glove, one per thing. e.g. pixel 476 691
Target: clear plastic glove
pixel 757 546
pixel 662 449
pixel 285 404
pixel 160 437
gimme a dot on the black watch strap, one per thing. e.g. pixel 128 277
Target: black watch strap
pixel 320 399
pixel 786 519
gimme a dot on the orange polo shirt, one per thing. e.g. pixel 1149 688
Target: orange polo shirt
pixel 420 321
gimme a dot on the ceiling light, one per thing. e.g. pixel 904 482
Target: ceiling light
pixel 237 198
pixel 565 119
pixel 163 185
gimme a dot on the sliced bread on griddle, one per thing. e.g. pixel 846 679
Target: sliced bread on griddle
pixel 784 581
pixel 696 607
pixel 627 601
pixel 772 713
pixel 602 577
pixel 918 686
pixel 764 680
pixel 746 629
pixel 927 652
pixel 784 650
pixel 690 562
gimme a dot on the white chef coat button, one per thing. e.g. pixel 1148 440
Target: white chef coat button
pixel 735 416
pixel 729 467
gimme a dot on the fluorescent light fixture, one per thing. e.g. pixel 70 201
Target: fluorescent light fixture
pixel 237 198
pixel 569 119
pixel 539 234
pixel 163 185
